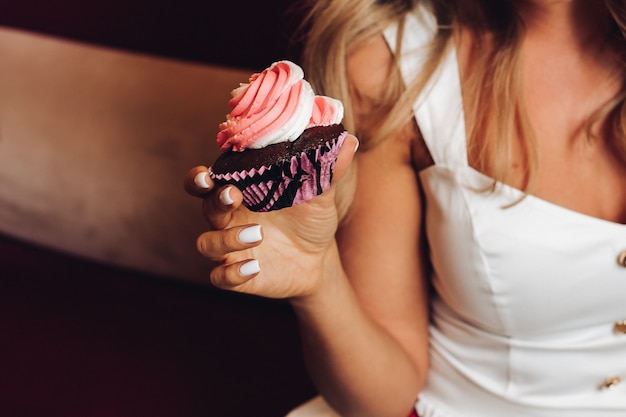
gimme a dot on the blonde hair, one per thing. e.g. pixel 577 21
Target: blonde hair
pixel 334 26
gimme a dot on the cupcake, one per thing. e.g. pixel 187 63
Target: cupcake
pixel 280 141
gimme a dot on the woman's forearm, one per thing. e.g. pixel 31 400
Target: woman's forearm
pixel 356 365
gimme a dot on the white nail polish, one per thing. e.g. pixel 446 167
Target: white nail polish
pixel 225 197
pixel 200 180
pixel 250 234
pixel 249 268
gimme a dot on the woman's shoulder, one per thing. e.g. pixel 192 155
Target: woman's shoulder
pixel 369 66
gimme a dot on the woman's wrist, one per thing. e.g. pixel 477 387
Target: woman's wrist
pixel 329 283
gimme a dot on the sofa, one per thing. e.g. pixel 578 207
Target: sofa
pixel 106 309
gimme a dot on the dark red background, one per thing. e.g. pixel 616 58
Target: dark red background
pixel 241 33
pixel 81 339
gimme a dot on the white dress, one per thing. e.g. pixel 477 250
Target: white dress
pixel 529 299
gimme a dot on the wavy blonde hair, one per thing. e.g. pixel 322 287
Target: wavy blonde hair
pixel 333 27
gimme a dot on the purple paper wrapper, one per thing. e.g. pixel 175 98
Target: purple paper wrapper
pixel 289 183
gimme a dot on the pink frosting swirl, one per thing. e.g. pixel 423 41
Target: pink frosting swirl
pixel 326 111
pixel 277 105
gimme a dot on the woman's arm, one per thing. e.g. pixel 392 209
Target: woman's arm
pixel 366 337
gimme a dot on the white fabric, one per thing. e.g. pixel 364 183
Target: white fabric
pixel 315 407
pixel 527 296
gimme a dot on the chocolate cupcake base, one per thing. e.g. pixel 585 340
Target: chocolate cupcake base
pixel 283 174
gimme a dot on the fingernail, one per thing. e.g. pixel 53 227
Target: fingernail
pixel 250 234
pixel 249 268
pixel 225 197
pixel 200 180
pixel 356 147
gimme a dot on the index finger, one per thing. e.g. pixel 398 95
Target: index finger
pixel 198 182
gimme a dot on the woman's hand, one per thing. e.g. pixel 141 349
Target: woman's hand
pixel 278 254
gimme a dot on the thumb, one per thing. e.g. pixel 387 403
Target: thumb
pixel 346 154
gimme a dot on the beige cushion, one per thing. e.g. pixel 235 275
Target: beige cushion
pixel 94 144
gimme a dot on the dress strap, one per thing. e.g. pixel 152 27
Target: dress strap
pixel 439 108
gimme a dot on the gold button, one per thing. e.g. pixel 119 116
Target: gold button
pixel 620 327
pixel 621 258
pixel 610 383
